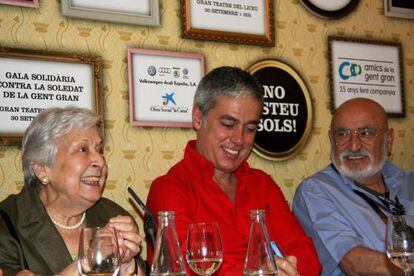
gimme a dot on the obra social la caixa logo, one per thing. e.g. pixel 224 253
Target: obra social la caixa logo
pixel 168 99
pixel 347 70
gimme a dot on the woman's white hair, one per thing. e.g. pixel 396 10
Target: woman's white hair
pixel 39 139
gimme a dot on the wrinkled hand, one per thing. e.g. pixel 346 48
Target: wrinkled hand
pixel 129 240
pixel 287 266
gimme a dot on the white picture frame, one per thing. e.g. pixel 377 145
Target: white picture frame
pixel 369 69
pixel 162 85
pixel 142 12
pixel 399 8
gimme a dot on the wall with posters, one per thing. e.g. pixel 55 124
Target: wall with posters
pixel 137 155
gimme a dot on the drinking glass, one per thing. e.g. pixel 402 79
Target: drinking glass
pixel 204 251
pixel 399 241
pixel 98 251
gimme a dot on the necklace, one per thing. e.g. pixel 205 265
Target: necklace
pixel 72 227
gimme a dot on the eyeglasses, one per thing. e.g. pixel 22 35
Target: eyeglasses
pixel 366 135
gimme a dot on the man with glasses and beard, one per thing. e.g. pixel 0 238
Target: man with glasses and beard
pixel 340 207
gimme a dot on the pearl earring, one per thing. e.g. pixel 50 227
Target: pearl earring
pixel 44 180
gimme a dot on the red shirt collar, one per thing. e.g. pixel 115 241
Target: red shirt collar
pixel 193 158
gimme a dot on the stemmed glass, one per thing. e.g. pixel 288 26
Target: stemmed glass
pixel 98 251
pixel 399 241
pixel 204 251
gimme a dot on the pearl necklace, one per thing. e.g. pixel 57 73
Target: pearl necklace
pixel 72 227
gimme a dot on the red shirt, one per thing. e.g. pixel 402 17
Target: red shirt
pixel 188 189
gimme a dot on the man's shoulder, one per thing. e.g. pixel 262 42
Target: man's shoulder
pixel 175 174
pixel 327 177
pixel 179 178
pixel 392 170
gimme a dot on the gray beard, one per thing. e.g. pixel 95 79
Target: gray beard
pixel 359 174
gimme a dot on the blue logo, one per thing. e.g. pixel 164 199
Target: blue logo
pixel 152 70
pixel 185 71
pixel 347 70
pixel 167 98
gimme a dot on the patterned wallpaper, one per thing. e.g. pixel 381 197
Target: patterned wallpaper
pixel 137 155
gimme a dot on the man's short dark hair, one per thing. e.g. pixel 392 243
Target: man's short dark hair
pixel 226 81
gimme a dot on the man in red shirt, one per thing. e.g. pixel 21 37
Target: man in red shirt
pixel 214 183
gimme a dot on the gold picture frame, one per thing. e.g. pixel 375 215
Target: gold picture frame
pixel 251 22
pixel 31 81
pixel 287 117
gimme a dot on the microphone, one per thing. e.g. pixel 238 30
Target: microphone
pixel 398 208
pixel 149 219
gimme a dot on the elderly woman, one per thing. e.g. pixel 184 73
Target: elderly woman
pixel 65 173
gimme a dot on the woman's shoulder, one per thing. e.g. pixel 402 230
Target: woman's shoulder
pixel 107 205
pixel 10 203
pixel 8 208
pixel 102 211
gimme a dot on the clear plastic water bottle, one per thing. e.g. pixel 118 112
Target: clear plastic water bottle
pixel 168 259
pixel 259 256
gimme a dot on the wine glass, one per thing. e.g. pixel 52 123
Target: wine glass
pixel 98 251
pixel 399 241
pixel 204 250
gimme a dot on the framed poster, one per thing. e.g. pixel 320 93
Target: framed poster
pixel 399 8
pixel 23 3
pixel 162 85
pixel 142 12
pixel 369 69
pixel 287 115
pixel 31 81
pixel 234 21
pixel 330 9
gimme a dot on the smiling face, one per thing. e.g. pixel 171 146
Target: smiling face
pixel 78 173
pixel 226 135
pixel 360 158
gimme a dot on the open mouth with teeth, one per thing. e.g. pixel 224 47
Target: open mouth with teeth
pixel 356 157
pixel 231 152
pixel 91 180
